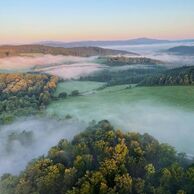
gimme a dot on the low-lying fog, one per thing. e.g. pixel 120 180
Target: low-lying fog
pixel 69 67
pixel 29 138
pixel 72 71
pixel 167 123
pixel 26 139
pixel 64 66
pixel 156 51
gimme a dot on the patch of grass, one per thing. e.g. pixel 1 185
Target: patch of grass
pixel 181 97
pixel 69 86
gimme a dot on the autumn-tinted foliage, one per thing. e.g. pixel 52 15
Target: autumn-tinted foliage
pixel 22 93
pixel 104 160
pixel 17 50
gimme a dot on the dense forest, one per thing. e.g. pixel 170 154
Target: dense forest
pixel 122 60
pixel 21 94
pixel 129 76
pixel 151 76
pixel 176 76
pixel 104 160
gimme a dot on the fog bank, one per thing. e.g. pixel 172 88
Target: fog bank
pixel 28 138
pixel 157 51
pixel 66 67
pixel 166 123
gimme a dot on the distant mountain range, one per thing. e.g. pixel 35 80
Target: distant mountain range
pixel 11 50
pixel 137 41
pixel 182 50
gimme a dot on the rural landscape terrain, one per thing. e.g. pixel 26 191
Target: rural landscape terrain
pixel 93 115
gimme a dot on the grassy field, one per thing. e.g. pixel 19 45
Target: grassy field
pixel 165 112
pixel 69 86
pixel 178 96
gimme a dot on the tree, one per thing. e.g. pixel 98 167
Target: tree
pixel 75 93
pixel 123 184
pixel 62 95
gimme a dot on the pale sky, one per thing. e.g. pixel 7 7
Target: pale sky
pixel 25 21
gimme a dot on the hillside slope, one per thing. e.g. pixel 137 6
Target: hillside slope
pixel 182 50
pixel 24 94
pixel 6 51
pixel 177 76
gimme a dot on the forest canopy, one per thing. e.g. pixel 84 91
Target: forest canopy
pixel 21 94
pixel 104 160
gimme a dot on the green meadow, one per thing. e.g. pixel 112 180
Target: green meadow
pixel 165 112
pixel 181 97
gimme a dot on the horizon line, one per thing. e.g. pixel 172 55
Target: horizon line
pixel 91 40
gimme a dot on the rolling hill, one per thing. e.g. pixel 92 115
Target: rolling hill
pixel 182 50
pixel 11 50
pixel 136 41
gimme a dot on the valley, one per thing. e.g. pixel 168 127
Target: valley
pixel 144 94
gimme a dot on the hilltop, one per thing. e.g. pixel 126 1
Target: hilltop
pixel 182 50
pixel 104 42
pixel 136 41
pixel 13 50
pixel 104 160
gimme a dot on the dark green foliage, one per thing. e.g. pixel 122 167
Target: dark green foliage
pixel 178 76
pixel 130 76
pixel 122 60
pixel 62 95
pixel 74 93
pixel 103 160
pixel 25 138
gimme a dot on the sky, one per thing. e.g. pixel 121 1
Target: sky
pixel 26 21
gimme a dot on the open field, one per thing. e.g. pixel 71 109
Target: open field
pixel 69 86
pixel 176 96
pixel 165 112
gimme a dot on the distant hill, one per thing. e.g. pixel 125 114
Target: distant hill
pixel 137 41
pixel 178 76
pixel 182 50
pixel 122 60
pixel 11 50
pixel 104 43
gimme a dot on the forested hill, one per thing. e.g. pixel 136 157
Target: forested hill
pixel 122 60
pixel 178 76
pixel 22 94
pixel 102 160
pixel 182 50
pixel 6 51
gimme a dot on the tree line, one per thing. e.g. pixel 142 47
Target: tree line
pixel 177 76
